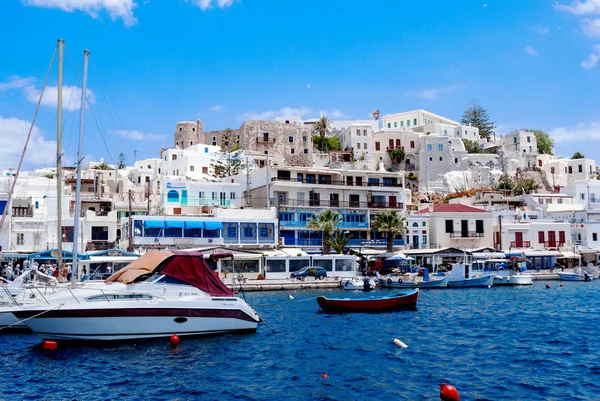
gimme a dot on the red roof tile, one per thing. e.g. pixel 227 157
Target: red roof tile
pixel 451 208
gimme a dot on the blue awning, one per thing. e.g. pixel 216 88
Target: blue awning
pixel 174 224
pixel 213 225
pixel 154 223
pixel 190 225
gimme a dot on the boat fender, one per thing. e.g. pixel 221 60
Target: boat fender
pixel 400 343
pixel 50 345
pixel 389 281
pixel 325 375
pixel 448 393
pixel 399 281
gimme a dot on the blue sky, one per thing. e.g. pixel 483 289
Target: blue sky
pixel 156 62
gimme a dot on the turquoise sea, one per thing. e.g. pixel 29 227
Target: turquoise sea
pixel 495 344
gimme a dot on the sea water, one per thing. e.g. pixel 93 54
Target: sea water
pixel 528 343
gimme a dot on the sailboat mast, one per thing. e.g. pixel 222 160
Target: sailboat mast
pixel 74 273
pixel 59 260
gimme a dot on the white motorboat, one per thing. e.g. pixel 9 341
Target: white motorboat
pixel 462 276
pixel 507 273
pixel 359 283
pixel 421 279
pixel 182 296
pixel 576 275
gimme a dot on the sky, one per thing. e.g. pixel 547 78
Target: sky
pixel 532 64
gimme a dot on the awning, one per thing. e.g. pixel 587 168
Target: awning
pixel 400 256
pixel 569 255
pixel 174 224
pixel 154 223
pixel 213 225
pixel 535 252
pixel 190 225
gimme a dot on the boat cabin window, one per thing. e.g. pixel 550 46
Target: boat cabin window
pixel 162 279
pixel 118 297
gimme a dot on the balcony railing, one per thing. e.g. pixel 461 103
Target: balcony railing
pixel 265 140
pixel 466 234
pixel 338 204
pixel 343 224
pixel 341 182
pixel 520 244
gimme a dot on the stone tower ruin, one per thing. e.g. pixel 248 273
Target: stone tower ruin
pixel 188 133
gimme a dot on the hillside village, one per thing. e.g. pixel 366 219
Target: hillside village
pixel 255 188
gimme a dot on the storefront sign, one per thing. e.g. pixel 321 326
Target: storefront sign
pixel 29 225
pixel 176 184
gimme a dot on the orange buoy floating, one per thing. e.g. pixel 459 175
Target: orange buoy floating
pixel 325 375
pixel 50 344
pixel 174 339
pixel 547 285
pixel 448 393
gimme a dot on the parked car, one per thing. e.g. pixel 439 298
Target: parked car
pixel 313 271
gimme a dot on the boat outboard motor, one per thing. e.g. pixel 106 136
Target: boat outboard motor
pixel 586 277
pixel 367 283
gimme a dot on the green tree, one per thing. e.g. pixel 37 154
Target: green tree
pixel 480 118
pixel 391 223
pixel 229 162
pixel 102 166
pixel 397 156
pixel 525 186
pixel 472 146
pixel 545 143
pixel 326 222
pixel 577 155
pixel 121 162
pixel 338 242
pixel 321 128
pixel 326 144
pixel 505 183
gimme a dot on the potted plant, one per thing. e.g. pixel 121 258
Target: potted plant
pixel 260 276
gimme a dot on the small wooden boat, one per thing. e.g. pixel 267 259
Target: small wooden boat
pixel 402 300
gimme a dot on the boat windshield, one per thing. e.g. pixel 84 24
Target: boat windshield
pixel 158 278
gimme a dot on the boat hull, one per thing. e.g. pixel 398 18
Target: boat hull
pixel 135 323
pixel 8 321
pixel 513 280
pixel 569 277
pixel 357 284
pixel 481 282
pixel 437 283
pixel 406 300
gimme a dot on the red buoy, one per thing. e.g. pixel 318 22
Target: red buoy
pixel 561 285
pixel 325 375
pixel 547 285
pixel 50 344
pixel 448 393
pixel 174 339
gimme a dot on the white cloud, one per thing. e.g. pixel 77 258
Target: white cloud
pixel 579 7
pixel 271 114
pixel 137 135
pixel 431 94
pixel 333 113
pixel 542 30
pixel 591 27
pixel 71 94
pixel 530 50
pixel 592 59
pixel 580 132
pixel 116 9
pixel 217 107
pixel 40 151
pixel 206 4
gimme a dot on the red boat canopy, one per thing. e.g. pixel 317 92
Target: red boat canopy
pixel 191 268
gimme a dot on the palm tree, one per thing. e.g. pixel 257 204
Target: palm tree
pixel 326 222
pixel 321 128
pixel 391 223
pixel 338 242
pixel 102 166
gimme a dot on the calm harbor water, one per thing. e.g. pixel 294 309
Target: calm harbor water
pixel 492 344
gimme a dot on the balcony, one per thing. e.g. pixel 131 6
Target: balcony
pixel 338 204
pixel 265 140
pixel 342 225
pixel 520 244
pixel 466 234
pixel 340 182
pixel 553 244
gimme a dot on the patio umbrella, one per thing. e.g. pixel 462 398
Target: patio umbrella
pixel 400 256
